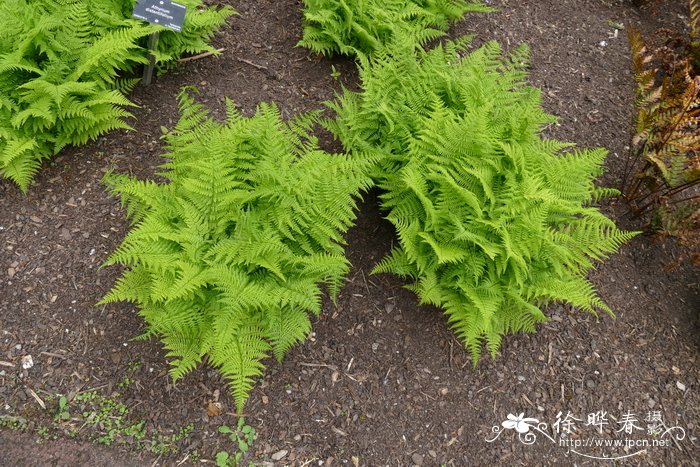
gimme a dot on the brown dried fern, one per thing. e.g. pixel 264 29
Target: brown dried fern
pixel 665 151
pixel 695 33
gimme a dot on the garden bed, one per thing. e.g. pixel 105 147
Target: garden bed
pixel 382 381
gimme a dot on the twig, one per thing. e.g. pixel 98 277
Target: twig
pixel 364 279
pixel 202 55
pixel 37 398
pixel 51 354
pixel 319 365
pixel 248 62
pixel 450 362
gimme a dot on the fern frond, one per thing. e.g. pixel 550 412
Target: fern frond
pixel 227 259
pixel 492 221
pixel 366 27
pixel 62 68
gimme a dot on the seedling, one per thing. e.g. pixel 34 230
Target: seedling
pixel 62 414
pixel 243 436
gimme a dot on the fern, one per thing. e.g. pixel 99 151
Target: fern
pixel 226 258
pixel 663 170
pixel 61 64
pixel 493 222
pixel 352 27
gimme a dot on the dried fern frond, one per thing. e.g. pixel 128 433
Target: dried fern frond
pixel 665 154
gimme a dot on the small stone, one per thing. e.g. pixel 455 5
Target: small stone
pixel 432 454
pixel 444 391
pixel 680 385
pixel 590 384
pixel 417 459
pixel 265 399
pixel 35 219
pixel 279 455
pixel 389 307
pixel 11 272
pixel 27 362
pixel 651 403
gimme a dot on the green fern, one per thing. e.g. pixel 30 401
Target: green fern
pixel 61 64
pixel 353 27
pixel 493 222
pixel 226 258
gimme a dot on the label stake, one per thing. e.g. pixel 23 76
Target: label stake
pixel 148 71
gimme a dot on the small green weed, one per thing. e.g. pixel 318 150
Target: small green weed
pixel 134 366
pixel 164 444
pixel 125 383
pixel 243 436
pixel 43 431
pixel 110 417
pixel 62 414
pixel 13 423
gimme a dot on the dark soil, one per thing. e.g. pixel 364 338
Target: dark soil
pixel 382 381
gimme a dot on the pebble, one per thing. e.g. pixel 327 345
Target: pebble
pixel 279 455
pixel 417 459
pixel 27 362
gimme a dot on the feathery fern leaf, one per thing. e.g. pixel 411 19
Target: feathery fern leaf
pixel 226 259
pixel 361 27
pixel 61 68
pixel 493 222
pixel 664 163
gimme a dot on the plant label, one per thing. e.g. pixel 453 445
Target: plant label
pixel 163 12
